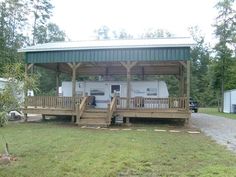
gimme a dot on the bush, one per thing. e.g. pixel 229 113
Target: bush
pixel 3 119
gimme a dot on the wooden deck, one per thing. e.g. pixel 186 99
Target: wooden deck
pixel 85 114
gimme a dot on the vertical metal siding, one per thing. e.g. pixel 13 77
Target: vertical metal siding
pixel 100 55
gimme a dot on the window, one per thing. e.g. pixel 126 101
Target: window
pixel 97 92
pixel 152 91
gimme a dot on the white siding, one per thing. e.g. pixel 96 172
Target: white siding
pixel 148 89
pixel 233 99
pixel 229 101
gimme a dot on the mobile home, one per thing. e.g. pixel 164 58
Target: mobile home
pixel 103 91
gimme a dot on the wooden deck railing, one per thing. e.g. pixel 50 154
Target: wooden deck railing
pixel 111 109
pixel 153 103
pixel 80 108
pixel 120 103
pixel 51 102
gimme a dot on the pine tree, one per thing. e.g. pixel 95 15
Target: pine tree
pixel 225 31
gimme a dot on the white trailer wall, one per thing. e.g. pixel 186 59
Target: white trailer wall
pixel 229 101
pixel 102 90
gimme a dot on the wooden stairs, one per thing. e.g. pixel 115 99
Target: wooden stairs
pixel 85 115
pixel 94 117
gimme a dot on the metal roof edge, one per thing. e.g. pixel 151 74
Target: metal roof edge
pixel 114 44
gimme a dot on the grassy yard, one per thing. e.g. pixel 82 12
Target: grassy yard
pixel 50 149
pixel 214 111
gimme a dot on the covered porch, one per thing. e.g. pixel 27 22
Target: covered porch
pixel 129 59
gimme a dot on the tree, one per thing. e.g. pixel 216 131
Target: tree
pixel 102 33
pixel 41 11
pixel 12 96
pixel 49 33
pixel 156 33
pixel 12 24
pixel 201 88
pixel 121 34
pixel 105 33
pixel 225 31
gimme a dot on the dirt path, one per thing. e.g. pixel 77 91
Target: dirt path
pixel 221 129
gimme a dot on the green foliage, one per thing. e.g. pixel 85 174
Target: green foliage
pixel 16 74
pixel 156 33
pixel 41 11
pixel 47 81
pixel 12 24
pixel 202 89
pixel 103 32
pixel 16 18
pixel 3 119
pixel 225 32
pixel 11 97
pixel 49 33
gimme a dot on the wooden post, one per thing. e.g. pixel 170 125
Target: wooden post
pixel 128 65
pixel 73 82
pixel 77 113
pixel 188 83
pixel 74 68
pixel 143 76
pixel 57 80
pixel 128 88
pixel 27 67
pixel 181 80
pixel 25 92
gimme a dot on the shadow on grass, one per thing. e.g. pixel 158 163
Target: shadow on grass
pixel 160 121
pixel 59 120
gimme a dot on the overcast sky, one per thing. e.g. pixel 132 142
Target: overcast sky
pixel 79 18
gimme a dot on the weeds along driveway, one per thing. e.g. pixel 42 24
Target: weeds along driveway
pixel 222 130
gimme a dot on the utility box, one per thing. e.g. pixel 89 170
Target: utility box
pixel 234 108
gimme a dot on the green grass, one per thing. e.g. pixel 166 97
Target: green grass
pixel 214 111
pixel 50 149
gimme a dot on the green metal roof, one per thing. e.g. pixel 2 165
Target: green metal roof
pixel 104 51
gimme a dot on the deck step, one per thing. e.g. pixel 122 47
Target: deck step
pixel 94 125
pixel 94 114
pixel 89 120
pixel 94 117
pixel 96 110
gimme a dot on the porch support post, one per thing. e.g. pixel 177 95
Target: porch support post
pixel 143 74
pixel 128 87
pixel 128 65
pixel 25 92
pixel 27 67
pixel 57 80
pixel 74 66
pixel 188 82
pixel 181 81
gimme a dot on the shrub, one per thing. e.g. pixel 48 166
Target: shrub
pixel 3 119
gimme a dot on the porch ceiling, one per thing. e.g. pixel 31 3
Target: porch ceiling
pixel 116 68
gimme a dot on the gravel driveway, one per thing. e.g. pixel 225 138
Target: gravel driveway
pixel 221 129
